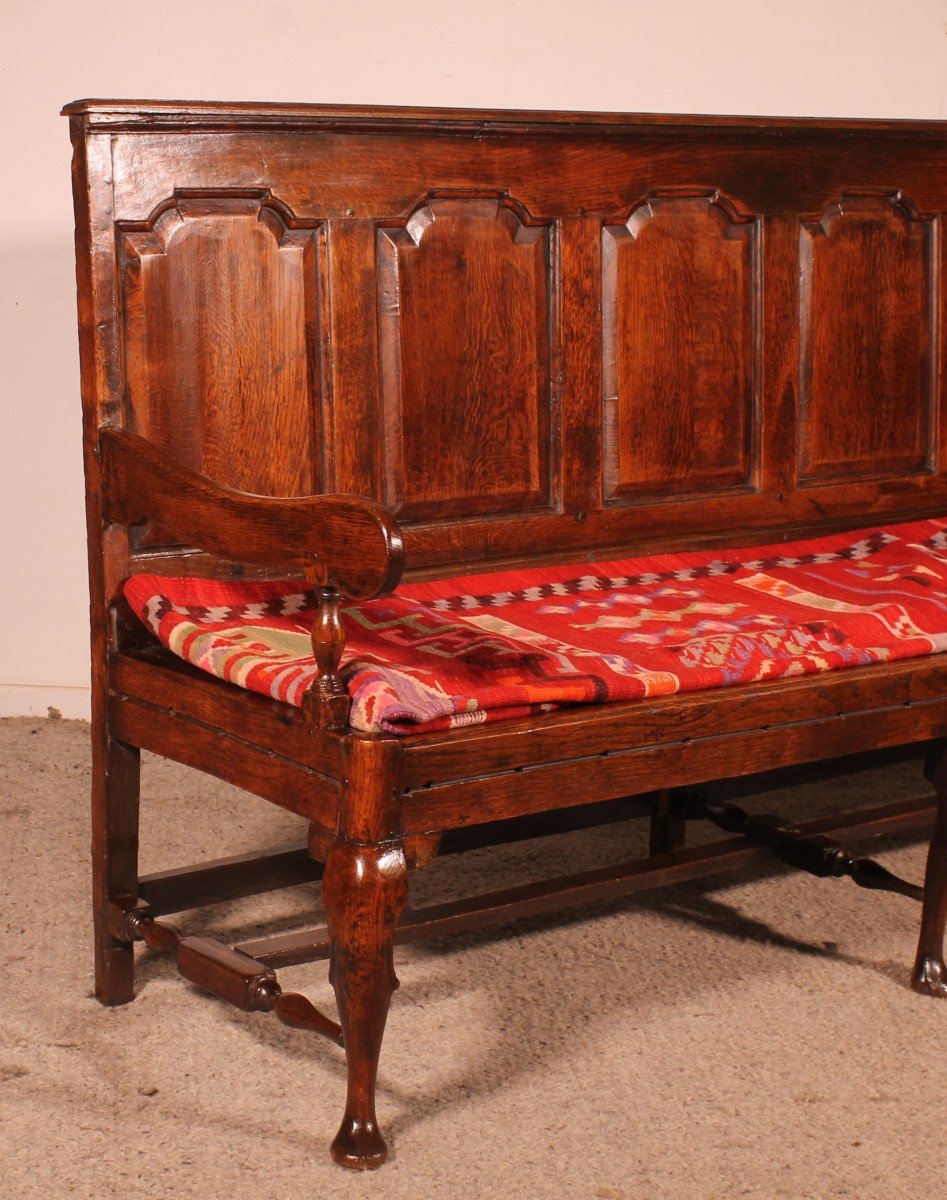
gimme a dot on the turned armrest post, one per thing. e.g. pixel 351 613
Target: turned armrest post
pixel 326 704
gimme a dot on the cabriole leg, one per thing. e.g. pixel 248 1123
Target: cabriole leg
pixel 364 891
pixel 930 973
pixel 115 796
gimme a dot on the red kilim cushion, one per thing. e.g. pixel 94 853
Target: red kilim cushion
pixel 480 648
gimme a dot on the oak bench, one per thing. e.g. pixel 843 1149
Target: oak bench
pixel 357 347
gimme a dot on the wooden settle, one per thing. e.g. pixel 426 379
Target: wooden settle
pixel 360 345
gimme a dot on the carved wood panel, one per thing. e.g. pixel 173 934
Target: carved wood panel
pixel 867 318
pixel 222 359
pixel 466 372
pixel 340 182
pixel 681 348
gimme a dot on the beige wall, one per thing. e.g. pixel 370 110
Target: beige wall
pixel 808 57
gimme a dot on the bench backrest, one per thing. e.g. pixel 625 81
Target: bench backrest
pixel 527 334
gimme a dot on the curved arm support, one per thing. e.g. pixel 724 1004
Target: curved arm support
pixel 356 542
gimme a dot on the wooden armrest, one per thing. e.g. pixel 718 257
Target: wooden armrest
pixel 357 541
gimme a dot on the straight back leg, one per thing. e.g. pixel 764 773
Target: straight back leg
pixel 115 798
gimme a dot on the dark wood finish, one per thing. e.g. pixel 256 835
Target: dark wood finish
pixel 600 885
pixel 326 703
pixel 818 854
pixel 245 764
pixel 868 312
pixel 115 799
pixel 668 829
pixel 356 542
pixel 633 769
pixel 225 971
pixel 332 343
pixel 735 205
pixel 162 679
pixel 353 459
pixel 113 114
pixel 930 972
pixel 421 849
pixel 219 311
pixel 224 879
pixel 773 781
pixel 464 297
pixel 364 889
pixel 678 721
pixel 681 331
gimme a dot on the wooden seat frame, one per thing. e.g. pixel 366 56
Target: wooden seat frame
pixel 354 344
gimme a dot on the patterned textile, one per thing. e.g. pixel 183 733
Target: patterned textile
pixel 479 648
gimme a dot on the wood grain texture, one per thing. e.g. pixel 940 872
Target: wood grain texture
pixel 254 768
pixel 598 731
pixel 165 680
pixel 354 541
pixel 362 171
pixel 464 313
pixel 217 881
pixel 868 314
pixel 115 764
pixel 364 891
pixel 600 884
pixel 178 114
pixel 326 703
pixel 634 768
pixel 681 335
pixel 353 438
pixel 578 364
pixel 470 397
pixel 222 318
pixel 539 337
pixel 223 970
pixel 115 808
